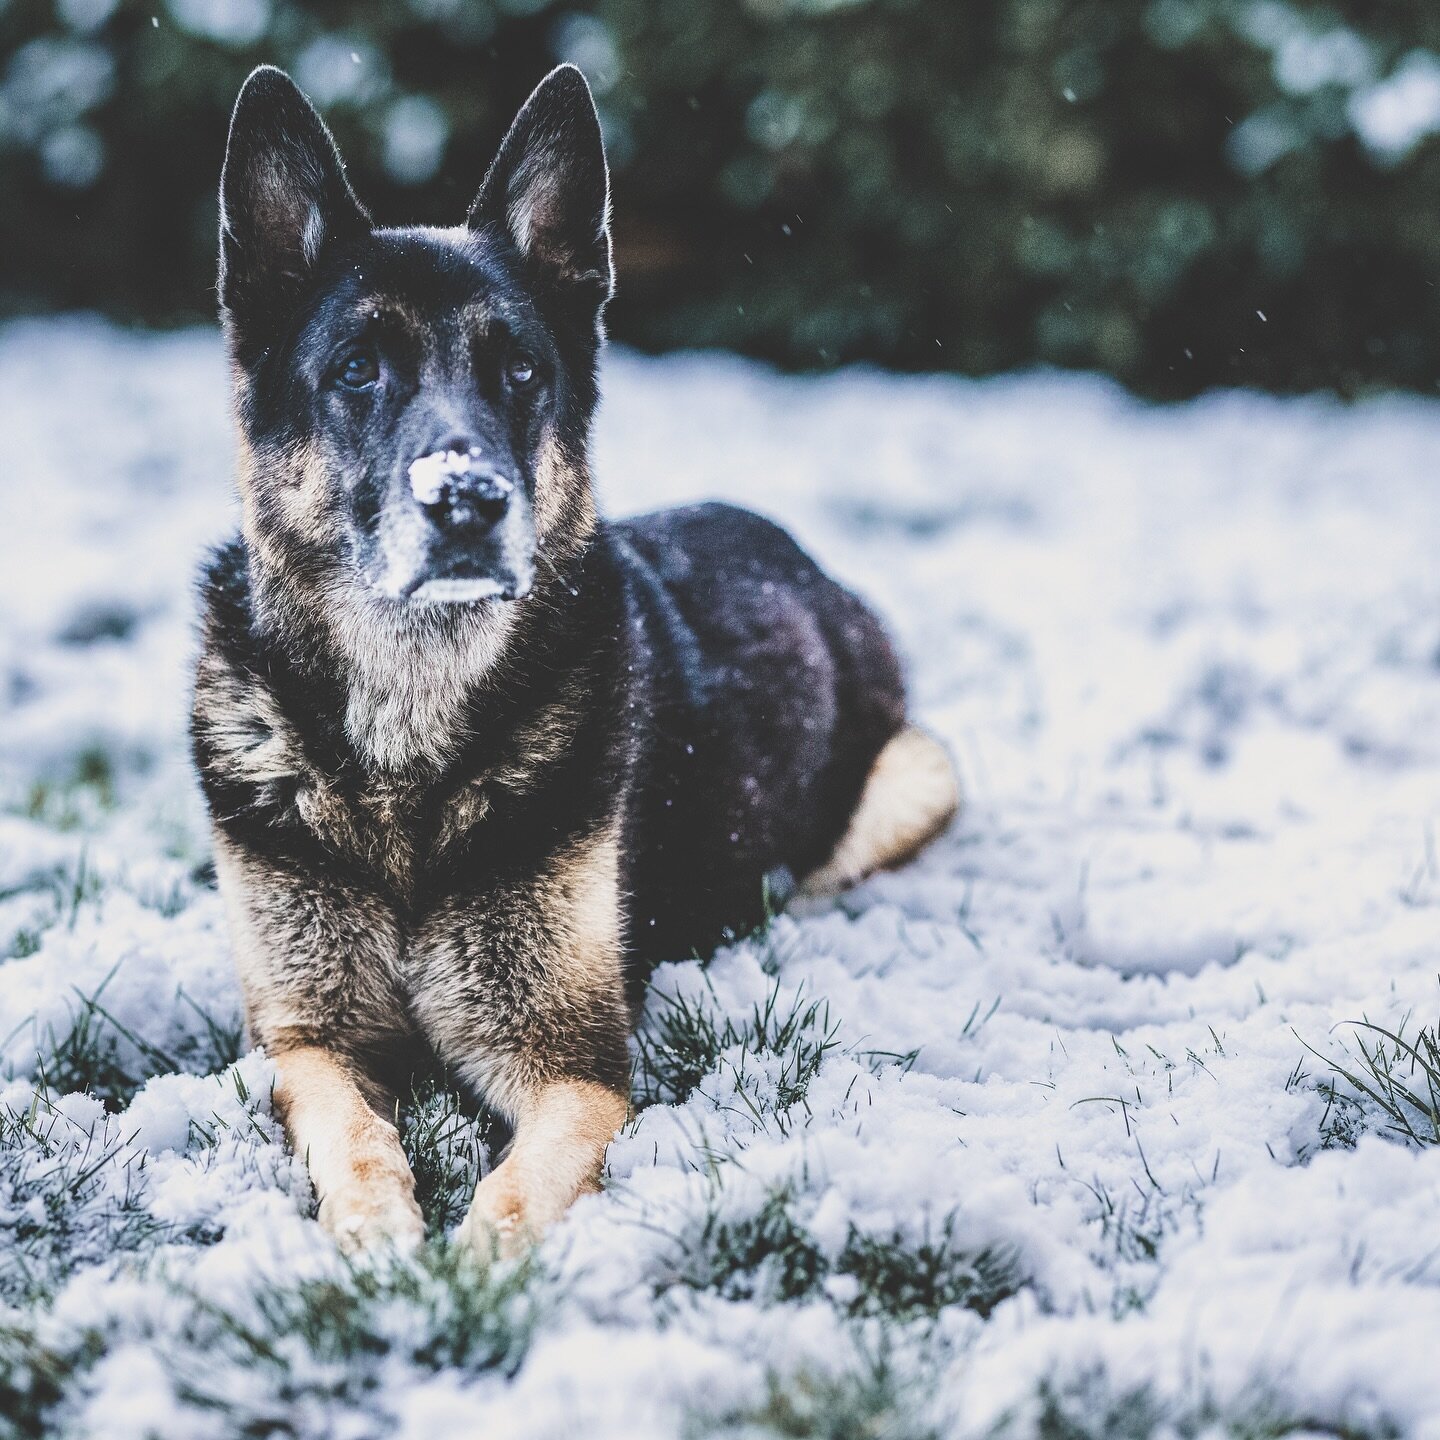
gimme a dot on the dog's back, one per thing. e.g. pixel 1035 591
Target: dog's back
pixel 767 691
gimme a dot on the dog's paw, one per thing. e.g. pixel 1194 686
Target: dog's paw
pixel 361 1220
pixel 498 1225
pixel 508 1238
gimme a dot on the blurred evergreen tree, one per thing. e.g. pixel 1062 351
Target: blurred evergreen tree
pixel 1182 193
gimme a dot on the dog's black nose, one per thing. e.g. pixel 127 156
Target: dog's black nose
pixel 476 500
pixel 457 488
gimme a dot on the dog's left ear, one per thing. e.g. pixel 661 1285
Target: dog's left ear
pixel 549 190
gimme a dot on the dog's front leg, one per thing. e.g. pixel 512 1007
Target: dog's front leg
pixel 317 962
pixel 360 1174
pixel 562 1130
pixel 524 999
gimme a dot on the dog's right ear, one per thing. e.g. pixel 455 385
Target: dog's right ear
pixel 283 197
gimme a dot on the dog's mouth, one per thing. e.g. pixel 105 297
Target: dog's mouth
pixel 458 573
pixel 414 565
pixel 454 584
pixel 465 590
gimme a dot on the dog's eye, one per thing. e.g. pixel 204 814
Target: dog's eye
pixel 358 371
pixel 521 371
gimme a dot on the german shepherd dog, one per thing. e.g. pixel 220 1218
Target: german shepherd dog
pixel 476 759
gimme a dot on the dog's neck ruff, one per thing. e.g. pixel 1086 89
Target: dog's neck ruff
pixel 406 671
pixel 409 671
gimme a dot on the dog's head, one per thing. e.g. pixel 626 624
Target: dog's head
pixel 414 403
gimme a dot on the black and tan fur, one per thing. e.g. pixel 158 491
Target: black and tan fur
pixel 476 759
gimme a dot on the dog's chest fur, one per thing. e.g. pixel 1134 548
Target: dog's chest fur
pixel 407 683
pixel 392 822
pixel 419 754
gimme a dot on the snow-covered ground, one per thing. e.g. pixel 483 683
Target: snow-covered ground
pixel 1039 1136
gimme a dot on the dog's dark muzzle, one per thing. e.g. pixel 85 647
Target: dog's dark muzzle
pixel 479 543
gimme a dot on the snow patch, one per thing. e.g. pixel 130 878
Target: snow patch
pixel 1200 746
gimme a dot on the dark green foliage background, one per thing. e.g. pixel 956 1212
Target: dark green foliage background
pixel 965 184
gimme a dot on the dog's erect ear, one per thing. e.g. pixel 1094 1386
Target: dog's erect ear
pixel 283 194
pixel 548 189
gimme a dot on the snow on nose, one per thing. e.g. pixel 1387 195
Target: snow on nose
pixel 429 473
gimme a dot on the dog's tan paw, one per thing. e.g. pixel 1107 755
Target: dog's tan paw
pixel 505 1239
pixel 499 1224
pixel 360 1220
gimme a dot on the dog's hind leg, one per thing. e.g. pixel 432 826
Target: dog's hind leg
pixel 910 796
pixel 366 1190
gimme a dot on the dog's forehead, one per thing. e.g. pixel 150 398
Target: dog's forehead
pixel 434 283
